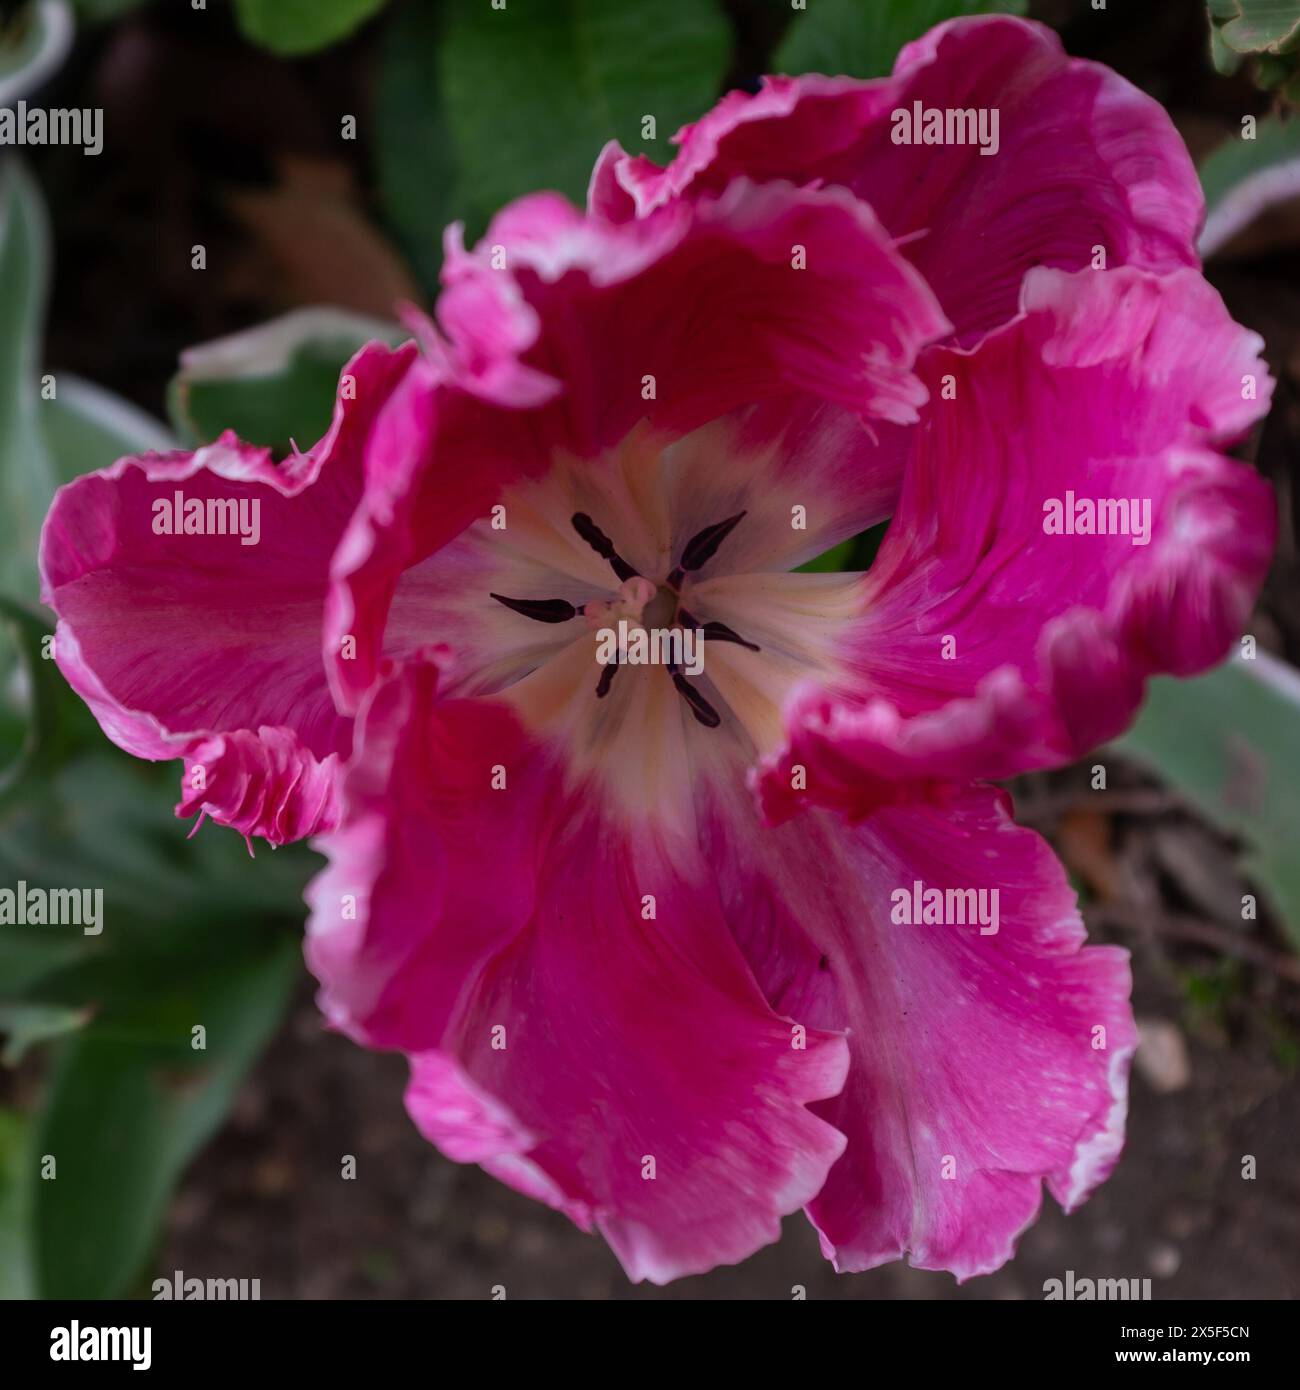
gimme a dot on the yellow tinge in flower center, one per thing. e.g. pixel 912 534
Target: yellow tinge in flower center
pixel 675 540
pixel 680 664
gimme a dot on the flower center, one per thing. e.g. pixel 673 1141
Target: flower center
pixel 603 566
pixel 661 611
pixel 655 613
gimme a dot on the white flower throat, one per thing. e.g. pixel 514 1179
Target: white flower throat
pixel 638 611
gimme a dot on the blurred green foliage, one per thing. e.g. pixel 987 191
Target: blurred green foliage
pixel 193 934
pixel 477 106
pixel 293 27
pixel 1276 143
pixel 1231 741
pixel 274 385
pixel 862 39
pixel 1265 31
pixel 101 11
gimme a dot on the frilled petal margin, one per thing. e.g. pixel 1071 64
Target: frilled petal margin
pixel 989 1049
pixel 578 1017
pixel 261 782
pixel 756 296
pixel 190 590
pixel 1034 577
pixel 1083 161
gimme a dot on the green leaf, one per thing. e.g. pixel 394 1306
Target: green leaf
pixel 87 428
pixel 27 1024
pixel 43 442
pixel 1243 178
pixel 291 27
pixel 33 44
pixel 273 385
pixel 533 92
pixel 105 819
pixel 861 38
pixel 1231 742
pixel 49 718
pixel 415 163
pixel 854 555
pixel 130 1103
pixel 83 429
pixel 101 11
pixel 1225 59
pixel 866 545
pixel 26 473
pixel 27 477
pixel 837 560
pixel 1260 26
pixel 188 932
pixel 171 906
pixel 191 933
pixel 16 1273
pixel 19 735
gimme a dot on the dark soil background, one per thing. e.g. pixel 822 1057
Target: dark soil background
pixel 239 152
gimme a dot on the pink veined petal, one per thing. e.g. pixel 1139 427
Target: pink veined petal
pixel 175 638
pixel 847 473
pixel 983 1062
pixel 757 298
pixel 436 457
pixel 826 305
pixel 169 636
pixel 988 645
pixel 1084 160
pixel 864 757
pixel 579 1019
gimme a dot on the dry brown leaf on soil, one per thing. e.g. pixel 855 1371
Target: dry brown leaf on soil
pixel 325 249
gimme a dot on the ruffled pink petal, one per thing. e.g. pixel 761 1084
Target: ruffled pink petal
pixel 167 636
pixel 988 645
pixel 755 295
pixel 1084 160
pixel 579 1019
pixel 860 758
pixel 749 292
pixel 435 460
pixel 171 636
pixel 175 638
pixel 847 473
pixel 989 1050
pixel 262 783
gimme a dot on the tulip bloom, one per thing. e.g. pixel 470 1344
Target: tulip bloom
pixel 681 951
